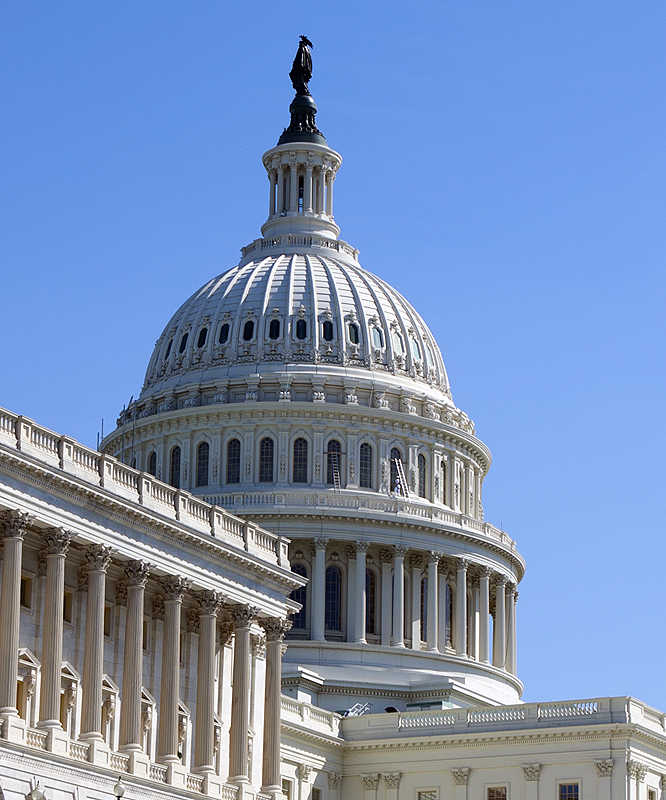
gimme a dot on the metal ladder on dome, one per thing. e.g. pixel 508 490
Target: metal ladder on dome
pixel 402 481
pixel 335 469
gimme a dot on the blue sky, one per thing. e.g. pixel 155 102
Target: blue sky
pixel 504 168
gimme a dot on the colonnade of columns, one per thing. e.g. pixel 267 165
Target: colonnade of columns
pixel 286 195
pixel 462 599
pixel 97 558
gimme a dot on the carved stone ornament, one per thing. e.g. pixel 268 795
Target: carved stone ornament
pixel 320 543
pixel 386 556
pixel 275 628
pixel 158 607
pixel 174 587
pixel 392 780
pixel 226 633
pixel 121 593
pixel 243 615
pixel 56 541
pixel 192 616
pixel 334 780
pixel 460 776
pixel 416 561
pixel 400 550
pixel 531 772
pixel 604 768
pixel 259 646
pixel 97 558
pixel 304 771
pixel 82 585
pixel 636 770
pixel 370 781
pixel 433 557
pixel 136 573
pixel 209 601
pixel 362 546
pixel 13 524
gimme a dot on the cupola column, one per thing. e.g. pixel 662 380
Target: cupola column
pixel 399 596
pixel 319 590
pixel 97 560
pixel 416 563
pixel 361 550
pixel 432 623
pixel 330 179
pixel 293 188
pixel 307 192
pixel 56 542
pixel 461 606
pixel 320 190
pixel 484 614
pixel 271 200
pixel 511 628
pixel 13 525
pixel 499 628
pixel 280 188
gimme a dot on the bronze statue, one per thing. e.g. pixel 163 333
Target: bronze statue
pixel 301 69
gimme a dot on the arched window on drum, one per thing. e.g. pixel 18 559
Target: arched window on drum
pixel 370 601
pixel 233 461
pixel 174 471
pixel 300 461
pixel 300 618
pixel 365 466
pixel 422 475
pixel 333 599
pixel 152 464
pixel 203 457
pixel 266 454
pixel 395 456
pixel 333 458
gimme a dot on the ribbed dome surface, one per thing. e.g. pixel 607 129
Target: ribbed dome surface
pixel 296 309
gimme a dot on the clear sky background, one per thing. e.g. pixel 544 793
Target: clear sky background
pixel 503 167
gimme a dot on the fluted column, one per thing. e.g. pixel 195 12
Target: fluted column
pixel 319 590
pixel 96 561
pixel 56 541
pixel 272 175
pixel 484 614
pixel 307 198
pixel 361 550
pixel 167 735
pixel 386 557
pixel 13 525
pixel 136 575
pixel 270 777
pixel 280 188
pixel 499 628
pixel 511 628
pixel 240 696
pixel 330 179
pixel 461 606
pixel 293 189
pixel 432 622
pixel 416 563
pixel 320 190
pixel 204 744
pixel 399 596
pixel 351 593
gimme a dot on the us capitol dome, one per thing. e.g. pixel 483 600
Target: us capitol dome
pixel 301 391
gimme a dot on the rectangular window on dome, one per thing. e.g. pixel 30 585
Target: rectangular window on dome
pixel 568 791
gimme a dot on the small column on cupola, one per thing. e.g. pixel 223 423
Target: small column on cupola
pixel 301 168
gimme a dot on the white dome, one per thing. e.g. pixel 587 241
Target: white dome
pixel 300 311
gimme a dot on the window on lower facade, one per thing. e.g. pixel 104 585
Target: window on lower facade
pixel 299 619
pixel 287 788
pixel 266 451
pixel 370 601
pixel 203 454
pixel 568 791
pixel 300 464
pixel 333 607
pixel 497 793
pixel 26 592
pixel 365 467
pixel 448 610
pixel 233 461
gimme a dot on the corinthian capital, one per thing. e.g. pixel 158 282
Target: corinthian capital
pixel 97 557
pixel 136 573
pixel 243 615
pixel 56 541
pixel 275 628
pixel 460 776
pixel 13 524
pixel 174 586
pixel 209 601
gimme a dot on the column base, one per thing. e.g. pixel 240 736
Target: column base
pixel 177 775
pixel 212 784
pixel 13 727
pixel 139 764
pixel 99 752
pixel 57 741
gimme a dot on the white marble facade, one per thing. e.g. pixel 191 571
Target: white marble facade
pixel 276 576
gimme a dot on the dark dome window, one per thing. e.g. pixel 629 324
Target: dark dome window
pixel 203 333
pixel 183 344
pixel 166 355
pixel 248 330
pixel 274 329
pixel 301 329
pixel 224 333
pixel 353 333
pixel 377 337
pixel 328 331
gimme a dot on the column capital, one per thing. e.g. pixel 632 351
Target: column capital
pixel 386 555
pixel 604 768
pixel 485 572
pixel 136 573
pixel 462 564
pixel 13 524
pixel 636 770
pixel 243 616
pixel 510 588
pixel 275 628
pixel 370 780
pixel 416 561
pixel 320 543
pixel 174 587
pixel 334 780
pixel 400 551
pixel 433 557
pixel 362 546
pixel 392 780
pixel 96 558
pixel 209 601
pixel 501 580
pixel 56 541
pixel 531 772
pixel 351 551
pixel 460 776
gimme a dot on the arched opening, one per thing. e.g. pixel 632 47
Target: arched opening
pixel 370 602
pixel 424 609
pixel 152 464
pixel 327 331
pixel 174 467
pixel 448 614
pixel 365 466
pixel 301 329
pixel 333 599
pixel 266 454
pixel 224 333
pixel 422 475
pixel 442 478
pixel 183 343
pixel 300 462
pixel 203 335
pixel 299 595
pixel 233 461
pixel 396 456
pixel 354 336
pixel 274 329
pixel 333 462
pixel 203 456
pixel 248 330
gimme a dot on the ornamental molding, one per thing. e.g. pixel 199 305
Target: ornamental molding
pixel 334 780
pixel 531 772
pixel 304 771
pixel 604 768
pixel 460 776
